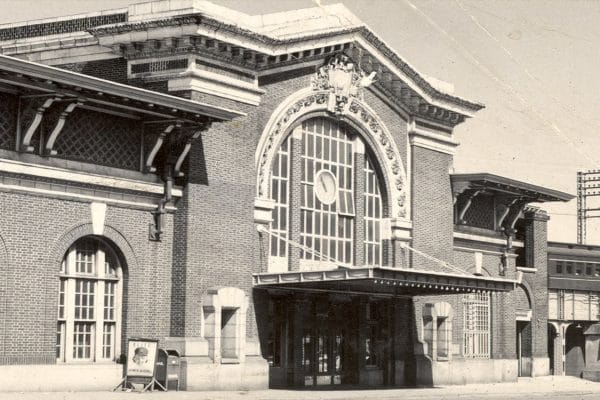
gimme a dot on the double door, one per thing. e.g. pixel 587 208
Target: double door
pixel 323 357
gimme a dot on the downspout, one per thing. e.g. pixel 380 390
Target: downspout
pixel 156 229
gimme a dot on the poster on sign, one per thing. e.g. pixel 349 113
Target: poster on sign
pixel 141 357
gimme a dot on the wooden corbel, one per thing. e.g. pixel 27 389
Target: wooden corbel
pixel 518 211
pixel 186 149
pixel 508 228
pixel 465 208
pixel 157 145
pixel 507 210
pixel 26 145
pixel 60 124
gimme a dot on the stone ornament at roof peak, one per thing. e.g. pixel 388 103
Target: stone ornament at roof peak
pixel 343 79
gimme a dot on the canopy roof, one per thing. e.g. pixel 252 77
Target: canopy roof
pixel 28 78
pixel 382 281
pixel 506 186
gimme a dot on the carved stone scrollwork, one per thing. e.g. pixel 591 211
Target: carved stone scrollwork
pixel 340 77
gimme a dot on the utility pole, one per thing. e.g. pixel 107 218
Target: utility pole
pixel 588 185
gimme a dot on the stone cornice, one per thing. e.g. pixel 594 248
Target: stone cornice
pixel 433 141
pixel 437 104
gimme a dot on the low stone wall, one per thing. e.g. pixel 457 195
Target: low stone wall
pixel 253 374
pixel 460 371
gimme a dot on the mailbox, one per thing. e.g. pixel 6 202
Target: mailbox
pixel 173 376
pixel 160 372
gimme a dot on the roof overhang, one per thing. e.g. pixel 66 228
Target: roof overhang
pixel 505 186
pixel 28 78
pixel 381 281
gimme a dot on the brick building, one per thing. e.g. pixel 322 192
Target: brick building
pixel 268 195
pixel 573 301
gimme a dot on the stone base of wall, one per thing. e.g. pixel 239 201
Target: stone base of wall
pixel 465 371
pixel 59 378
pixel 540 366
pixel 252 374
pixel 370 377
pixel 591 375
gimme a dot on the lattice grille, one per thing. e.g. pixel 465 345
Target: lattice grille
pixel 159 66
pixel 58 27
pixel 100 139
pixel 8 121
pixel 481 212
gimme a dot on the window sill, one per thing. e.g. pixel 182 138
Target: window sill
pixel 527 269
pixel 89 363
pixel 230 360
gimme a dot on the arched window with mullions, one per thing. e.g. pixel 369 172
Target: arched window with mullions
pixel 89 303
pixel 340 201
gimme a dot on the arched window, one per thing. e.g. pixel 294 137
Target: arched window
pixel 337 193
pixel 89 303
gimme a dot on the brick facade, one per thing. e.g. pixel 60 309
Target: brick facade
pixel 210 243
pixel 38 248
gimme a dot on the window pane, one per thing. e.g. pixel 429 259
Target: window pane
pixel 108 340
pixel 372 216
pixel 60 337
pixel 82 340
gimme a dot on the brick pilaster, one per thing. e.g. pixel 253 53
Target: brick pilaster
pixel 295 188
pixel 536 248
pixel 359 225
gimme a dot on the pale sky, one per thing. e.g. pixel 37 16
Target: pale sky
pixel 534 64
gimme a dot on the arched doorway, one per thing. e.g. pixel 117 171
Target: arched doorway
pixel 524 330
pixel 574 350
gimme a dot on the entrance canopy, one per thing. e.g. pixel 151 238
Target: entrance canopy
pixel 381 280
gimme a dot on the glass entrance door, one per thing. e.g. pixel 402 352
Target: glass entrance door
pixel 322 356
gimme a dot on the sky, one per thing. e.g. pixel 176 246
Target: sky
pixel 534 64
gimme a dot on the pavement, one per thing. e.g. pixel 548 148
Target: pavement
pixel 549 387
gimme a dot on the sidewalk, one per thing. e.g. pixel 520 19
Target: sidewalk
pixel 533 388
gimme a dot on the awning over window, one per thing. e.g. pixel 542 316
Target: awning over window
pixel 381 280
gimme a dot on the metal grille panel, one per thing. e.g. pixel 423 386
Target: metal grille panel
pixel 476 325
pixel 481 212
pixel 8 121
pixel 100 139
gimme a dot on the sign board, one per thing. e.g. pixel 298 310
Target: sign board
pixel 141 358
pixel 140 365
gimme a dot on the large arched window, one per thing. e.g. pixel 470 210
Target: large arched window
pixel 89 303
pixel 337 193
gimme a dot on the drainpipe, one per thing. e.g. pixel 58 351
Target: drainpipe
pixel 156 228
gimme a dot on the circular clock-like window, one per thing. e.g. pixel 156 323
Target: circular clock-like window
pixel 326 186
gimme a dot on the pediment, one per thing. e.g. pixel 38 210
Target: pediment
pixel 251 49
